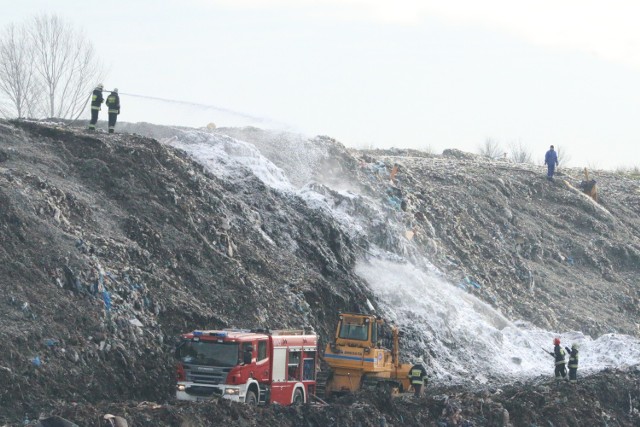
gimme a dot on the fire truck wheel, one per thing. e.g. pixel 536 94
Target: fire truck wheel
pixel 298 397
pixel 251 398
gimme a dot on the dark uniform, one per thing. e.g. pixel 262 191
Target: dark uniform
pixel 417 374
pixel 113 102
pixel 96 102
pixel 561 370
pixel 573 363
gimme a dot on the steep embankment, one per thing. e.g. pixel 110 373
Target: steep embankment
pixel 174 247
pixel 539 251
pixel 495 230
pixel 178 246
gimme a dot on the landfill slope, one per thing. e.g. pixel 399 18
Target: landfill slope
pixel 539 251
pixel 174 249
pixel 113 245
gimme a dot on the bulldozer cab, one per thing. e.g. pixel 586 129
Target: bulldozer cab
pixel 365 351
pixel 361 330
pixel 356 330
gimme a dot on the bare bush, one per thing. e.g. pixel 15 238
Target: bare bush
pixel 49 68
pixel 428 149
pixel 564 157
pixel 490 149
pixel 520 153
pixel 633 171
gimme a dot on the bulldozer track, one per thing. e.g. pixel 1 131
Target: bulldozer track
pixel 321 383
pixel 322 378
pixel 372 383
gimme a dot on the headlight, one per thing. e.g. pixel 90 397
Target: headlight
pixel 181 387
pixel 231 391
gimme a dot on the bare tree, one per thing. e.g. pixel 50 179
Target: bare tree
pixel 17 80
pixel 491 149
pixel 65 63
pixel 520 153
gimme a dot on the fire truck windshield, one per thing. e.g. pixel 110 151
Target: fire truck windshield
pixel 208 353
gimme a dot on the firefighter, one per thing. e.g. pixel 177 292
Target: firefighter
pixel 96 102
pixel 558 353
pixel 113 102
pixel 418 374
pixel 573 363
pixel 551 160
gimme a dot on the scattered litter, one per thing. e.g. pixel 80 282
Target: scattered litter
pixel 136 322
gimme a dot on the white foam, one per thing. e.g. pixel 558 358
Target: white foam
pixel 468 338
pixel 230 158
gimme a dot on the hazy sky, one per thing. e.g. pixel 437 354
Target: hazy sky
pixel 446 74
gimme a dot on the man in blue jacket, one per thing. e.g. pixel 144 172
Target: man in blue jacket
pixel 551 160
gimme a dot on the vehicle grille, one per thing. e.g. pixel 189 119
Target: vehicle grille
pixel 206 374
pixel 203 391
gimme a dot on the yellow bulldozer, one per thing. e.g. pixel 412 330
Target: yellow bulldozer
pixel 364 354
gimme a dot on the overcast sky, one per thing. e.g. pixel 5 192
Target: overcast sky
pixel 379 73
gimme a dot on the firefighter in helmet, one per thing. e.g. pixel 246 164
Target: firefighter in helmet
pixel 96 102
pixel 113 102
pixel 418 374
pixel 573 363
pixel 558 353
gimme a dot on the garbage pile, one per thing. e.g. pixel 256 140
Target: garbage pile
pixel 607 398
pixel 526 246
pixel 113 245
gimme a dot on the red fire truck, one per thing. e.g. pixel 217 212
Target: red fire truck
pixel 252 366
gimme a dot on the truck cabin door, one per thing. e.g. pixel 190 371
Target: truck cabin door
pixel 262 361
pixel 247 353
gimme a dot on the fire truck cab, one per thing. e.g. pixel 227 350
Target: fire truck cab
pixel 252 366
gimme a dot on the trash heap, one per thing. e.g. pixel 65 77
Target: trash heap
pixel 527 247
pixel 113 245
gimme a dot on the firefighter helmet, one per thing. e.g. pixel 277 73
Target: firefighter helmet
pixel 116 90
pixel 556 341
pixel 575 345
pixel 100 86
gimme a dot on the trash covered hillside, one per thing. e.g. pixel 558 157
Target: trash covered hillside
pixel 114 245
